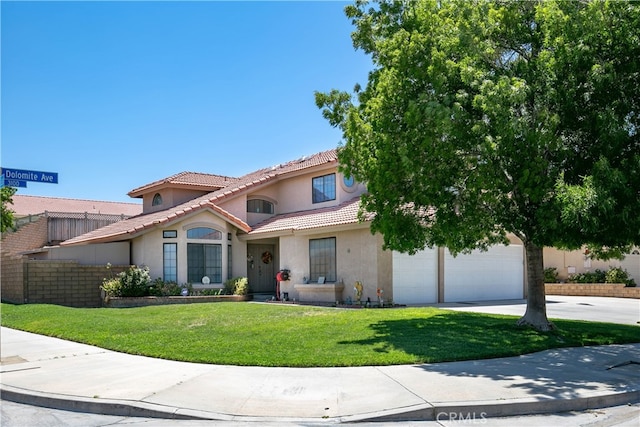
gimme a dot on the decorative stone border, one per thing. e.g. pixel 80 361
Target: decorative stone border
pixel 617 290
pixel 126 302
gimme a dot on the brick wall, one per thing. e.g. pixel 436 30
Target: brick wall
pixel 30 236
pixel 592 290
pixel 55 282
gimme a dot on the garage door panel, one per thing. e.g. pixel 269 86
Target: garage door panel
pixel 495 274
pixel 415 277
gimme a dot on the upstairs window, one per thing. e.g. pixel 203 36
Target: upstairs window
pixel 157 200
pixel 205 233
pixel 324 188
pixel 259 206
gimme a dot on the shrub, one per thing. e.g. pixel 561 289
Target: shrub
pixel 112 287
pixel 236 286
pixel 242 286
pixel 160 288
pixel 597 276
pixel 619 275
pixel 133 282
pixel 551 275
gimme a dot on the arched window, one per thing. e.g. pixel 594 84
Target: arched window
pixel 157 200
pixel 205 233
pixel 259 206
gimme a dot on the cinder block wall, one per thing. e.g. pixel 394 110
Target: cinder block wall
pixel 54 282
pixel 12 278
pixel 65 282
pixel 592 290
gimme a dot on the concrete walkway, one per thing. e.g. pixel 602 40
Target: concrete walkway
pixel 60 374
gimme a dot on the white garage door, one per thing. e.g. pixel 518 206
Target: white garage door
pixel 480 276
pixel 415 277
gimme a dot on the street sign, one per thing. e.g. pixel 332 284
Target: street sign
pixel 17 175
pixel 13 183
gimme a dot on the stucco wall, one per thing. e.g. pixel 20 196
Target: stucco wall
pixel 148 249
pixel 359 257
pixel 237 206
pixel 170 197
pixel 295 193
pixel 96 254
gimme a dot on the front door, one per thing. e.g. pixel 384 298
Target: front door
pixel 260 268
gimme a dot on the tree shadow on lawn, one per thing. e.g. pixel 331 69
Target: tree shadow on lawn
pixel 480 348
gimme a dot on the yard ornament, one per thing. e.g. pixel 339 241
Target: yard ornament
pixel 358 288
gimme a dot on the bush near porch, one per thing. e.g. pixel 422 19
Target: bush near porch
pixel 134 288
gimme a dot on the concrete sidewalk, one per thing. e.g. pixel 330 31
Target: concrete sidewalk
pixel 55 373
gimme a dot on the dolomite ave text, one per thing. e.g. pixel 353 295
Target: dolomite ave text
pixel 26 175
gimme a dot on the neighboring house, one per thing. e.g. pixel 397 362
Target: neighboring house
pixel 33 205
pixel 35 269
pixel 46 221
pixel 301 216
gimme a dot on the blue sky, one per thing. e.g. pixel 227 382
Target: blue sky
pixel 114 95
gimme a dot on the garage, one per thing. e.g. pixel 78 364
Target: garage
pixel 415 277
pixel 479 276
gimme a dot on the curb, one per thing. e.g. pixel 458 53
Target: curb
pixel 478 410
pixel 124 408
pixel 469 411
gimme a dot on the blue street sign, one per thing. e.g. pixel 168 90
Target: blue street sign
pixel 12 182
pixel 26 175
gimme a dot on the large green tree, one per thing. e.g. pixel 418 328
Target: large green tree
pixel 6 214
pixel 483 118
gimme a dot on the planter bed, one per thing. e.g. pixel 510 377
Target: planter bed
pixel 125 302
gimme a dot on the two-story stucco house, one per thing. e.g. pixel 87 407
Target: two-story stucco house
pixel 301 216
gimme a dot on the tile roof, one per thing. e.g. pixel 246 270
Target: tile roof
pixel 342 214
pixel 123 230
pixel 205 181
pixel 31 205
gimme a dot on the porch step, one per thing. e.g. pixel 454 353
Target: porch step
pixel 263 296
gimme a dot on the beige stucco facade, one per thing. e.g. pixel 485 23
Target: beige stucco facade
pixel 147 249
pixel 259 244
pixel 359 254
pixel 359 257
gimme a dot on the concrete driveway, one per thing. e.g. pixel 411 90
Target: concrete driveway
pixel 595 309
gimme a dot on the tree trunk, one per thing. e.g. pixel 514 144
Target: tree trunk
pixel 536 314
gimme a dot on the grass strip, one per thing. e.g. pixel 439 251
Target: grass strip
pixel 305 336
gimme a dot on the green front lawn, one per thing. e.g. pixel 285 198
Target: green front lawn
pixel 293 335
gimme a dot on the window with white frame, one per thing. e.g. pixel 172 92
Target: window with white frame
pixel 204 259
